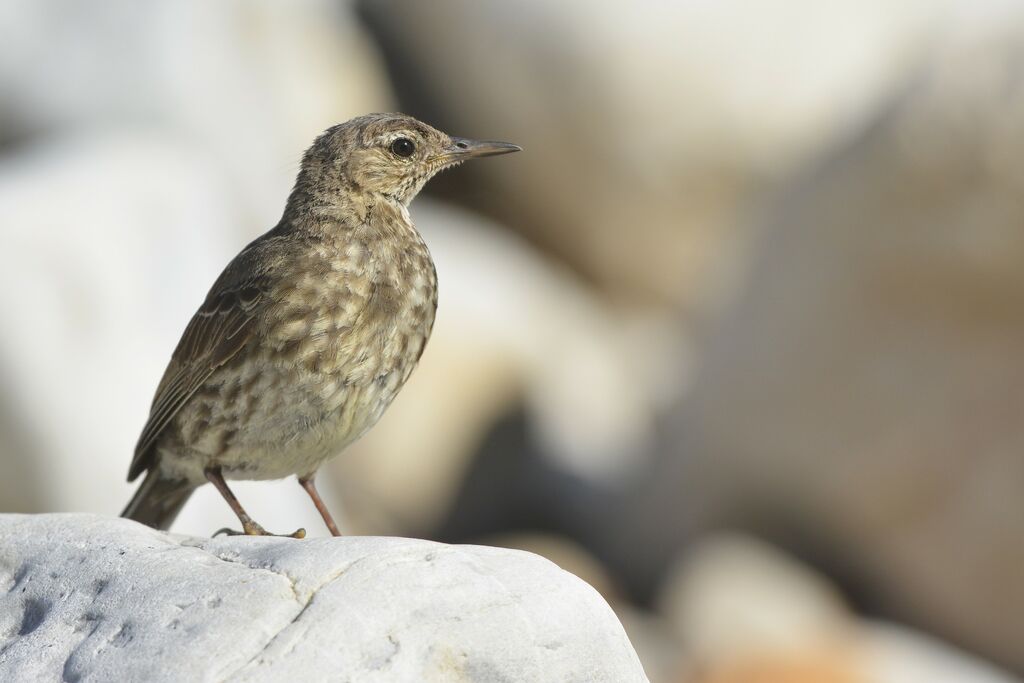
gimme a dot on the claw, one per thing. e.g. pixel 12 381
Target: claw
pixel 258 531
pixel 249 527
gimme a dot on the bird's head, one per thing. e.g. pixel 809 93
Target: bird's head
pixel 392 155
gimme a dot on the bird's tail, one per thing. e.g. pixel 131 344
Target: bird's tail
pixel 158 500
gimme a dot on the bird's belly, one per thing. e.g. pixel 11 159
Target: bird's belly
pixel 298 438
pixel 270 417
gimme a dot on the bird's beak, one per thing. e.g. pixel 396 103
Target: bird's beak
pixel 463 148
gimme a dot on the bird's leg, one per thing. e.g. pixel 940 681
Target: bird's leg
pixel 249 526
pixel 307 483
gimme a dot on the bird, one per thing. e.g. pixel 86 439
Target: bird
pixel 310 331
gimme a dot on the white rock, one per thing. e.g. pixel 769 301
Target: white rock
pixel 251 82
pixel 895 654
pixel 85 597
pixel 739 604
pixel 735 596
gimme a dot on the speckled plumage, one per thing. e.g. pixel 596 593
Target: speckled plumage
pixel 310 332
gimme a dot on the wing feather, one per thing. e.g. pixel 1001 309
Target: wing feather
pixel 222 327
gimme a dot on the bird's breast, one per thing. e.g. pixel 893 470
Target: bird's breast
pixel 358 316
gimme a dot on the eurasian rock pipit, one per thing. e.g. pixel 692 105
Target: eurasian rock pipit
pixel 310 332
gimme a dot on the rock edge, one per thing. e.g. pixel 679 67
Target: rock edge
pixel 85 597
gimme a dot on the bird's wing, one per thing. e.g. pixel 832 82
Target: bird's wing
pixel 221 327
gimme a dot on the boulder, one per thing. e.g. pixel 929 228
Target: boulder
pixel 86 597
pixel 745 610
pixel 860 404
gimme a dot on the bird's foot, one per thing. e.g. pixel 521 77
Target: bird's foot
pixel 255 529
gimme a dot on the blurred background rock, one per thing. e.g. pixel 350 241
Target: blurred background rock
pixel 739 338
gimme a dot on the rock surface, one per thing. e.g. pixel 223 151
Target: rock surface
pixel 85 597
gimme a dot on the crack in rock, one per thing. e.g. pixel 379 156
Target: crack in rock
pixel 292 582
pixel 309 601
pixel 383 659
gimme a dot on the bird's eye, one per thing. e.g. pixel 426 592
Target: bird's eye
pixel 403 147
